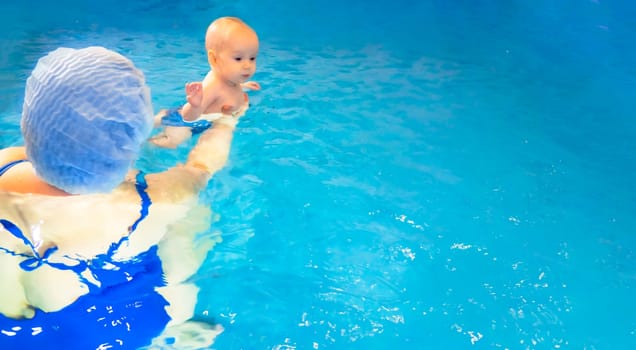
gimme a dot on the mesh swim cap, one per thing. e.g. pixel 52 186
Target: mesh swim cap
pixel 86 113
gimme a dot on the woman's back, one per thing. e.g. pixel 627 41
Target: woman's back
pixel 56 243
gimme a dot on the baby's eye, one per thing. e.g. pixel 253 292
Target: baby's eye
pixel 252 59
pixel 237 59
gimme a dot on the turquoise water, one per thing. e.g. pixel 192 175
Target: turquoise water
pixel 419 175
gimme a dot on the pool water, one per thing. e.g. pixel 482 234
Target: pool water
pixel 413 174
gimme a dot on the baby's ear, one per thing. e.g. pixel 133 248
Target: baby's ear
pixel 211 57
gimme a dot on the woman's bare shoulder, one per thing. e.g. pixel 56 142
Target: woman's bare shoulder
pixel 11 154
pixel 22 177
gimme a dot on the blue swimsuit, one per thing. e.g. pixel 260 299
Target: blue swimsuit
pixel 174 118
pixel 125 312
pixel 8 166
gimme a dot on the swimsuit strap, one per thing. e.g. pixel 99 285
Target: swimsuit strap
pixel 8 166
pixel 34 261
pixel 174 118
pixel 141 186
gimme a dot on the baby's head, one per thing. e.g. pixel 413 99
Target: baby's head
pixel 226 29
pixel 86 113
pixel 234 45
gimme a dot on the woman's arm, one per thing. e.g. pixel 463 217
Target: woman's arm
pixel 208 156
pixel 212 149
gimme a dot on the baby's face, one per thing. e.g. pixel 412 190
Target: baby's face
pixel 236 61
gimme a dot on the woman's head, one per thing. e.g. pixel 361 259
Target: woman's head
pixel 86 113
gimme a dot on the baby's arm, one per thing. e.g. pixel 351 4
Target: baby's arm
pixel 251 85
pixel 194 98
pixel 197 100
pixel 194 93
pixel 172 136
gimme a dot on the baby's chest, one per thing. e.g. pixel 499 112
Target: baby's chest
pixel 227 102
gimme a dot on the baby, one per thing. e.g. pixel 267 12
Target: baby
pixel 232 47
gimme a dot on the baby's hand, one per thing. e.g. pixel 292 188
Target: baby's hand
pixel 251 85
pixel 194 93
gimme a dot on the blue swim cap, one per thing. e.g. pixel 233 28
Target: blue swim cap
pixel 86 113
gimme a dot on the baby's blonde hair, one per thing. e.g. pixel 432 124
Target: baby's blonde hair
pixel 220 30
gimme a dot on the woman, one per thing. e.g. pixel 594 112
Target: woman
pixel 74 219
